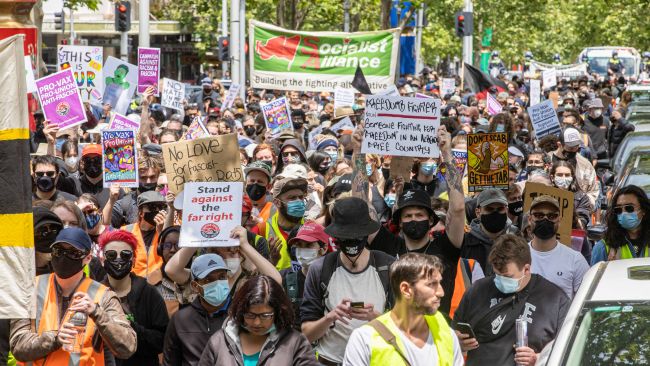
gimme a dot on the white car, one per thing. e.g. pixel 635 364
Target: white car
pixel 608 322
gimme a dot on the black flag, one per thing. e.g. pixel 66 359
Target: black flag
pixel 359 82
pixel 477 81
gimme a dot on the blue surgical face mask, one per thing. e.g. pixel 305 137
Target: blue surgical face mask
pixel 500 128
pixel 296 208
pixel 215 293
pixel 507 285
pixel 334 155
pixel 390 200
pixel 59 143
pixel 368 169
pixel 628 220
pixel 429 168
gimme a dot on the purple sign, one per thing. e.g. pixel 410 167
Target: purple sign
pixel 148 69
pixel 120 122
pixel 60 99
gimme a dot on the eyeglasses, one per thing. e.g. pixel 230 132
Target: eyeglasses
pixel 628 208
pixel 168 245
pixel 125 255
pixel 59 251
pixel 50 174
pixel 262 316
pixel 541 215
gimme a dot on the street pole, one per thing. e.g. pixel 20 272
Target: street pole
pixel 71 28
pixel 418 39
pixel 242 49
pixel 124 46
pixel 467 40
pixel 346 15
pixel 143 17
pixel 224 33
pixel 234 41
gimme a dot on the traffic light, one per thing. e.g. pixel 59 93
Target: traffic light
pixel 224 48
pixel 59 21
pixel 122 16
pixel 464 23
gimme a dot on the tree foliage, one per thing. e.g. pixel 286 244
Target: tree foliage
pixel 76 4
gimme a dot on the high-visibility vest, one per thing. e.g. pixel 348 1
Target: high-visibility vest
pixel 382 353
pixel 623 252
pixel 462 282
pixel 272 230
pixel 146 261
pixel 47 320
pixel 266 211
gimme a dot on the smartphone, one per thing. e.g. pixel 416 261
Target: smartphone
pixel 465 328
pixel 358 305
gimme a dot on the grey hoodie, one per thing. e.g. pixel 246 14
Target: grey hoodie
pixel 477 245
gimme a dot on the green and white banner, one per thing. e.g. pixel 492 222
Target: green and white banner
pixel 320 61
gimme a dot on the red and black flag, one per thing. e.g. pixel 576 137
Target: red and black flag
pixel 481 83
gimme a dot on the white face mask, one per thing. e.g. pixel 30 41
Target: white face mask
pixel 71 162
pixel 563 182
pixel 306 256
pixel 233 265
pixel 596 113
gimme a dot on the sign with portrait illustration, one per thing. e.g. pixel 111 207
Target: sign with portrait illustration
pixel 487 161
pixel 120 82
pixel 119 158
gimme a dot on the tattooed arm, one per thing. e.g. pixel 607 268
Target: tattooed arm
pixel 455 225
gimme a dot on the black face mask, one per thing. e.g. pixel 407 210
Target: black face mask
pixel 494 222
pixel 45 184
pixel 146 187
pixel 297 125
pixel 92 170
pixel 149 217
pixel 516 208
pixel 267 162
pixel 65 267
pixel 416 230
pixel 544 229
pixel 570 155
pixel 255 191
pixel 352 248
pixel 118 268
pixel 323 169
pixel 250 131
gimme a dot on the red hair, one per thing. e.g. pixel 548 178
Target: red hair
pixel 117 235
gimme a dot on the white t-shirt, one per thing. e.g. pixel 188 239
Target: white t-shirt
pixel 357 352
pixel 561 265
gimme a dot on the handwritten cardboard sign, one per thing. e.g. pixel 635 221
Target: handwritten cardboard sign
pixel 119 157
pixel 86 63
pixel 343 98
pixel 173 94
pixel 544 118
pixel 565 200
pixel 487 161
pixel 401 166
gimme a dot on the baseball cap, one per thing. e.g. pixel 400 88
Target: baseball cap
pixel 150 197
pixel 258 166
pixel 490 196
pixel 413 198
pixel 91 149
pixel 205 264
pixel 311 232
pixel 344 184
pixel 75 237
pixel 545 199
pixel 514 151
pixel 293 171
pixel 571 137
pixel 152 149
pixel 283 185
pixel 206 81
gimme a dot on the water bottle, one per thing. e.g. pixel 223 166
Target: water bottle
pixel 79 320
pixel 522 332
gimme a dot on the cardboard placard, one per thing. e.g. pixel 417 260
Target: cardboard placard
pixel 448 86
pixel 233 91
pixel 487 161
pixel 535 91
pixel 210 159
pixel 211 210
pixel 86 65
pixel 565 200
pixel 120 122
pixel 401 126
pixel 173 94
pixel 277 116
pixel 344 124
pixel 148 69
pixel 119 158
pixel 544 119
pixel 343 98
pixel 401 166
pixel 60 99
pixel 549 78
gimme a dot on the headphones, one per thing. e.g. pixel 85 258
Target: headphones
pixel 163 234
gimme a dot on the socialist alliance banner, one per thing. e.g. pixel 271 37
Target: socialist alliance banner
pixel 320 61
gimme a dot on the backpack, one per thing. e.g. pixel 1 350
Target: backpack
pixel 380 260
pixel 291 288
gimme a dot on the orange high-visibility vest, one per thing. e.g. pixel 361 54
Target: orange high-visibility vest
pixel 47 320
pixel 462 282
pixel 146 261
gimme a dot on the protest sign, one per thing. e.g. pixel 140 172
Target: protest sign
pixel 460 157
pixel 312 137
pixel 120 82
pixel 420 95
pixel 535 91
pixel 60 99
pixel 173 94
pixel 119 157
pixel 448 86
pixel 148 69
pixel 86 65
pixel 391 91
pixel 401 126
pixel 284 59
pixel 29 75
pixel 565 200
pixel 544 119
pixel 549 78
pixel 277 116
pixel 233 91
pixel 400 166
pixel 344 124
pixel 572 71
pixel 487 161
pixel 343 98
pixel 493 105
pixel 211 210
pixel 195 130
pixel 120 122
pixel 210 159
pixel 555 97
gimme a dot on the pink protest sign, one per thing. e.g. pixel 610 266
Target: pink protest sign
pixel 148 69
pixel 120 122
pixel 60 99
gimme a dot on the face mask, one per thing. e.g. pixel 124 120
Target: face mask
pixel 250 131
pixel 544 229
pixel 494 222
pixel 516 208
pixel 563 182
pixel 118 268
pixel 306 256
pixel 334 156
pixel 255 191
pixel 532 168
pixel 500 128
pixel 59 143
pixel 428 168
pixel 215 293
pixel 297 125
pixel 568 106
pixel 92 220
pixel 92 170
pixel 267 162
pixel 146 187
pixel 149 217
pixel 628 220
pixel 296 208
pixel 45 184
pixel 368 169
pixel 465 119
pixel 507 285
pixel 570 155
pixel 596 113
pixel 71 163
pixel 353 249
pixel 233 264
pixel 390 200
pixel 293 159
pixel 65 267
pixel 416 230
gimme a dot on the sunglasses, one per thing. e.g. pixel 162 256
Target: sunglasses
pixel 628 208
pixel 287 154
pixel 125 255
pixel 50 174
pixel 74 254
pixel 541 215
pixel 262 316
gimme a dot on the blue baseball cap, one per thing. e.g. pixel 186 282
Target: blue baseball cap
pixel 205 264
pixel 75 237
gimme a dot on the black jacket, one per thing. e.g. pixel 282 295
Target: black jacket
pixel 477 246
pixel 434 188
pixel 188 333
pixel 617 133
pixel 597 129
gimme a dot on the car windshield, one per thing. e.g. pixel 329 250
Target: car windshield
pixel 599 65
pixel 626 148
pixel 611 334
